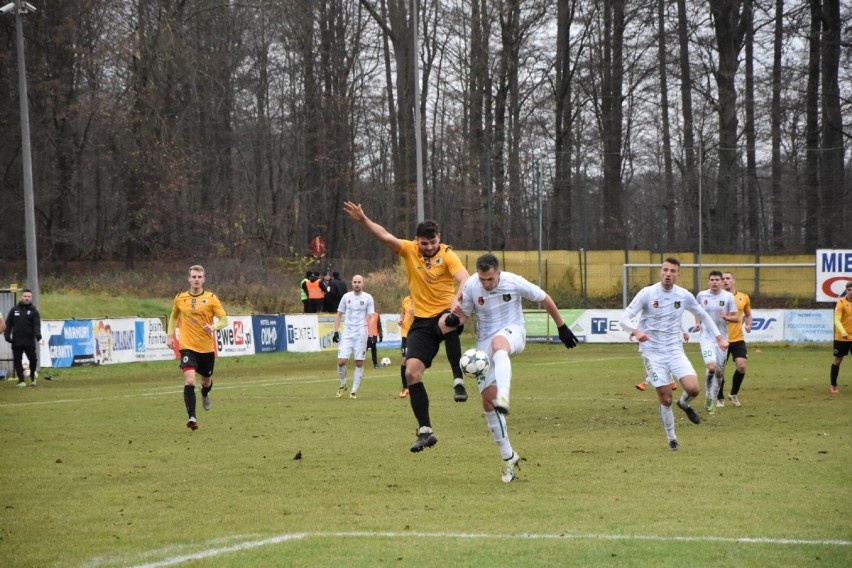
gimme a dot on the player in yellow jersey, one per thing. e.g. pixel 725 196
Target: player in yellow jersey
pixel 842 334
pixel 197 315
pixel 737 349
pixel 433 271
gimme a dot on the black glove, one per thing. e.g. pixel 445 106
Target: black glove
pixel 381 338
pixel 567 336
pixel 452 320
pixel 336 337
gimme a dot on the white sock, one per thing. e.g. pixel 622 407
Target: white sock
pixel 359 374
pixel 685 399
pixel 497 424
pixel 502 373
pixel 715 384
pixel 341 373
pixel 667 416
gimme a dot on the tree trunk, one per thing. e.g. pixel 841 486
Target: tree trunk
pixel 561 214
pixel 813 194
pixel 835 222
pixel 669 203
pixel 688 170
pixel 745 228
pixel 775 119
pixel 611 123
pixel 729 26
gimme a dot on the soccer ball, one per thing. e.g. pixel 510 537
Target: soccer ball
pixel 385 362
pixel 474 363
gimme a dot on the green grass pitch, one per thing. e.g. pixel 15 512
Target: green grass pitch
pixel 99 470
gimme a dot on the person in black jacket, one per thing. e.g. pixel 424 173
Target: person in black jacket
pixel 23 331
pixel 338 288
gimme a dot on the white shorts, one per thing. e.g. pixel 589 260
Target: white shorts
pixel 516 335
pixel 352 345
pixel 661 368
pixel 711 353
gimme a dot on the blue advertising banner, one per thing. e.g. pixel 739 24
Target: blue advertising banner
pixel 70 343
pixel 269 334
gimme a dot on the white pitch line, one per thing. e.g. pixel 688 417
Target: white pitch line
pixel 173 390
pixel 251 544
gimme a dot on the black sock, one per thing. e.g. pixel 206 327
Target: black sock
pixel 402 374
pixel 206 390
pixel 721 395
pixel 375 356
pixel 420 403
pixel 452 344
pixel 738 381
pixel 189 399
pixel 835 370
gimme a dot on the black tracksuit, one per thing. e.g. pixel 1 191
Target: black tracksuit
pixel 23 331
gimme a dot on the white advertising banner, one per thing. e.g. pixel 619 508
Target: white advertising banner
pixel 115 340
pixel 767 326
pixel 151 341
pixel 601 326
pixel 808 325
pixel 302 333
pixel 236 338
pixel 833 271
pixel 390 332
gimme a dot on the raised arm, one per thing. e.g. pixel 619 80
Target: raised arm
pixel 356 213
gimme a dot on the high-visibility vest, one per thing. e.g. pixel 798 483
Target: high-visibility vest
pixel 302 294
pixel 314 290
pixel 373 325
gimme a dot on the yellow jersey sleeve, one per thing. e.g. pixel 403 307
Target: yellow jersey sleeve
pixel 843 319
pixel 406 316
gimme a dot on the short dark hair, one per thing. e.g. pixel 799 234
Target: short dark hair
pixel 486 262
pixel 715 273
pixel 335 275
pixel 428 229
pixel 672 260
pixel 309 273
pixel 25 290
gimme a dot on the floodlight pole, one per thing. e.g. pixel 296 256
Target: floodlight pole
pixel 27 158
pixel 418 143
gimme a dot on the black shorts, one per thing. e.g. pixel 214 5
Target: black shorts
pixel 424 339
pixel 201 362
pixel 737 350
pixel 842 348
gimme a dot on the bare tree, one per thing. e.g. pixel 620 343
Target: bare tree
pixel 831 150
pixel 730 21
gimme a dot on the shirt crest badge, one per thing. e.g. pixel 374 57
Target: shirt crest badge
pixel 480 300
pixel 507 297
pixel 677 305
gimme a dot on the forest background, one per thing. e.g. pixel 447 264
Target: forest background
pixel 186 130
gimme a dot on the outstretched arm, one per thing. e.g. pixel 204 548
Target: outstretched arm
pixel 356 212
pixel 565 335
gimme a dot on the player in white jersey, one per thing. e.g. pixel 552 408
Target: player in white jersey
pixel 355 308
pixel 721 307
pixel 660 308
pixel 495 297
